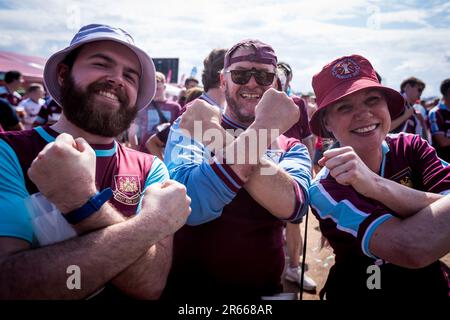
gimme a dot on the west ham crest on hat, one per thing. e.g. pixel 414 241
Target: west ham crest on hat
pixel 345 69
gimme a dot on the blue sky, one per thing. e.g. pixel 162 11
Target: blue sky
pixel 400 38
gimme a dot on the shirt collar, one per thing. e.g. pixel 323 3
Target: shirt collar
pixel 384 149
pixel 232 123
pixel 210 100
pixel 442 106
pixel 101 150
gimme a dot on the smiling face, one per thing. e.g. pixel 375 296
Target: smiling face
pixel 112 64
pixel 360 120
pixel 99 92
pixel 242 99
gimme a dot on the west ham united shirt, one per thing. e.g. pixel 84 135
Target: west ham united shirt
pixel 126 171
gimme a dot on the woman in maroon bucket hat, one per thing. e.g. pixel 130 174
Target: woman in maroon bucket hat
pixel 380 198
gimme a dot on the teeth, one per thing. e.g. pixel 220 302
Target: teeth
pixel 366 129
pixel 250 96
pixel 109 95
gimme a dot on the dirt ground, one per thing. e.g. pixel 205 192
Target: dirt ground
pixel 319 261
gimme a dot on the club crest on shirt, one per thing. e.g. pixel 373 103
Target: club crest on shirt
pixel 127 189
pixel 345 69
pixel 403 177
pixel 406 181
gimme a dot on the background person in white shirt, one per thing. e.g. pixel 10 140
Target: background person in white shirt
pixel 33 104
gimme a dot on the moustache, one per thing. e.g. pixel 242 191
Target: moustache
pixel 106 86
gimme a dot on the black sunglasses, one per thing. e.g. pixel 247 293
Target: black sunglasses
pixel 263 78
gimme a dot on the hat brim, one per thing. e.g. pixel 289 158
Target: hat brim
pixel 395 102
pixel 147 81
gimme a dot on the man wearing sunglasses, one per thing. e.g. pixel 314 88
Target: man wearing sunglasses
pixel 232 243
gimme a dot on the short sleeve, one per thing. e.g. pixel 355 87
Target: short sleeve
pixel 158 174
pixel 14 217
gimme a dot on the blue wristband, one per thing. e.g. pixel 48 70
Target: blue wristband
pixel 92 205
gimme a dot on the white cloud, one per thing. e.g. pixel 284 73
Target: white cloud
pixel 417 17
pixel 306 34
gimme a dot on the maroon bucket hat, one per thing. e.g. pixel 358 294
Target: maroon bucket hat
pixel 343 77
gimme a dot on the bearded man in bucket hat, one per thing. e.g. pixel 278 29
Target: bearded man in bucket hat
pixel 101 79
pixel 380 199
pixel 232 243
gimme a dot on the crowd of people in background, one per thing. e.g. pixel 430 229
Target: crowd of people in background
pixel 426 117
pixel 20 112
pixel 241 88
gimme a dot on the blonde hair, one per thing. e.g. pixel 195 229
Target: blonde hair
pixel 160 77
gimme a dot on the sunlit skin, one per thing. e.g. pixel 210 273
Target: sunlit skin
pixel 102 62
pixel 107 61
pixel 362 121
pixel 244 98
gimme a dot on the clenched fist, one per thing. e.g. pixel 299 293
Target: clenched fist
pixel 200 114
pixel 276 110
pixel 348 169
pixel 64 172
pixel 167 205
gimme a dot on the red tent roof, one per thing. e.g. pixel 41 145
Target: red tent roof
pixel 32 68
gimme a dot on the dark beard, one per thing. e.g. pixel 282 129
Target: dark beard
pixel 79 109
pixel 233 105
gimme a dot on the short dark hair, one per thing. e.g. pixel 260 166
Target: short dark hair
pixel 12 75
pixel 212 65
pixel 69 60
pixel 445 85
pixel 190 79
pixel 412 81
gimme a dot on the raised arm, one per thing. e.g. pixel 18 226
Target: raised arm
pixel 279 187
pixel 417 241
pixel 101 255
pixel 244 152
pixel 411 242
pixel 146 278
pixel 41 273
pixel 282 188
pixel 211 185
pixel 240 159
pixel 348 169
